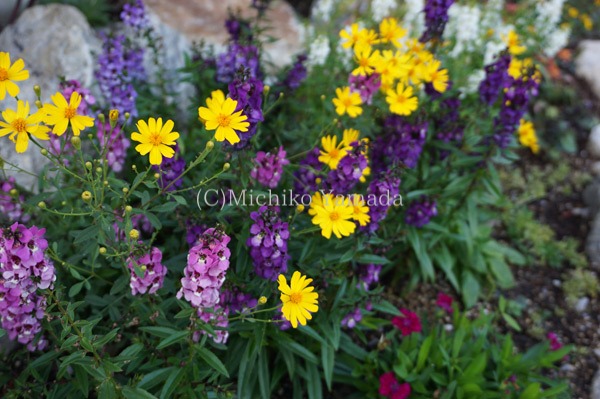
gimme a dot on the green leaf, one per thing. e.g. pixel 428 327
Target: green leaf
pixel 212 360
pixel 532 391
pixel 2 333
pixel 424 352
pixel 302 351
pixel 75 289
pixel 386 307
pixel 370 258
pixel 313 382
pixel 107 390
pixel 162 332
pixel 502 272
pixel 328 361
pixel 263 374
pixel 172 383
pixel 136 393
pixel 511 321
pixel 470 289
pixel 154 378
pixel 106 339
pixel 475 368
pixel 167 207
pixel 81 379
pixel 174 338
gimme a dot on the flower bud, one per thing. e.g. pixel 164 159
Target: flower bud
pixel 37 90
pixel 134 234
pixel 44 151
pixel 262 300
pixel 156 175
pixel 88 165
pixel 13 192
pixel 105 182
pixel 102 250
pixel 76 141
pixel 266 89
pixel 101 118
pixel 99 170
pixel 127 115
pixel 86 196
pixel 38 104
pixel 300 208
pixel 125 190
pixel 210 145
pixel 128 209
pixel 143 268
pixel 322 97
pixel 42 205
pixel 226 166
pixel 113 116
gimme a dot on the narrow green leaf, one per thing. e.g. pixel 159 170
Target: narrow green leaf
pixel 173 339
pixel 212 360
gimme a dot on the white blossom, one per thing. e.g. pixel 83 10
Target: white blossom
pixel 318 51
pixel 382 8
pixel 322 10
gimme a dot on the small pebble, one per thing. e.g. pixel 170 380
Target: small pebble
pixel 582 304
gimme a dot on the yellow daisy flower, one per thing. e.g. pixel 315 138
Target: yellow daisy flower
pixel 9 74
pixel 61 114
pixel 514 43
pixel 437 77
pixel 391 32
pixel 299 299
pixel 349 137
pixel 221 115
pixel 156 139
pixel 333 215
pixel 366 60
pixel 360 210
pixel 19 124
pixel 402 101
pixel 332 152
pixel 347 102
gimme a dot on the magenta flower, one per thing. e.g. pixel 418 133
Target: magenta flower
pixel 153 273
pixel 390 387
pixel 408 323
pixel 555 343
pixel 445 302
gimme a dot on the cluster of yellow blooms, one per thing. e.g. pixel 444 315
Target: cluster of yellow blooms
pixel 402 65
pixel 335 214
pixel 585 19
pixel 527 136
pixel 517 69
pixel 155 138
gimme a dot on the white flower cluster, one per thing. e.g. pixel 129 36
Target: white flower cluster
pixel 318 51
pixel 322 10
pixel 463 26
pixel 382 8
pixel 414 19
pixel 547 22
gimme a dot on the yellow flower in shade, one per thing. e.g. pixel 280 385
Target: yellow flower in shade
pixel 347 102
pixel 332 152
pixel 392 65
pixel 9 74
pixel 19 124
pixel 333 215
pixel 437 77
pixel 514 43
pixel 221 115
pixel 365 59
pixel 573 12
pixel 587 22
pixel 61 114
pixel 156 139
pixel 391 32
pixel 527 136
pixel 360 210
pixel 299 299
pixel 350 136
pixel 366 172
pixel 402 101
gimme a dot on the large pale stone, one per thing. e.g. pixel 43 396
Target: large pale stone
pixel 586 64
pixel 595 394
pixel 54 40
pixel 203 20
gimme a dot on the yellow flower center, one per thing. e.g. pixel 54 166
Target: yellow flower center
pixel 224 120
pixel 70 112
pixel 400 99
pixel 347 102
pixel 334 153
pixel 19 125
pixel 364 62
pixel 155 139
pixel 3 74
pixel 357 210
pixel 296 297
pixel 334 216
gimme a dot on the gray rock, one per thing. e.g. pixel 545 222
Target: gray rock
pixel 582 304
pixel 591 197
pixel 594 142
pixel 586 64
pixel 595 168
pixel 592 245
pixel 64 46
pixel 595 394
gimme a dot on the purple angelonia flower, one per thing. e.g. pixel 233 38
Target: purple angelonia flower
pixel 152 272
pixel 268 167
pixel 420 212
pixel 268 243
